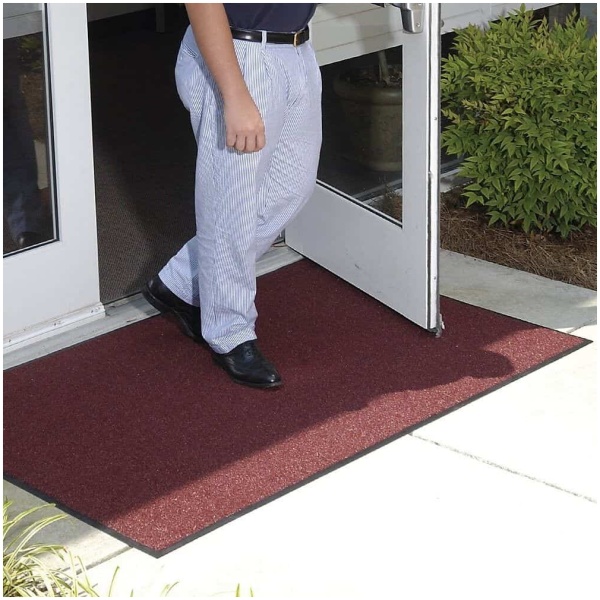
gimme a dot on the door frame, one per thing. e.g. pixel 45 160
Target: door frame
pixel 57 283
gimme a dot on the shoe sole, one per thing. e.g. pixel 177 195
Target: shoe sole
pixel 263 386
pixel 166 309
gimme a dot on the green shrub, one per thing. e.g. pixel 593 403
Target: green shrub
pixel 521 101
pixel 26 571
pixel 32 53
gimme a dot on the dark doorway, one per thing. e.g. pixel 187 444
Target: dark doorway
pixel 144 150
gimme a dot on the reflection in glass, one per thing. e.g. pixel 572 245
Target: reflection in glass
pixel 362 130
pixel 28 212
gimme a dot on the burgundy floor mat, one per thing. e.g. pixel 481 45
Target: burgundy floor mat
pixel 139 433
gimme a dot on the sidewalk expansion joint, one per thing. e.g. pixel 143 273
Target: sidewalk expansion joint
pixel 503 468
pixel 107 558
pixel 573 330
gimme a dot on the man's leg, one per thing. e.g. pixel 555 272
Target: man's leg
pixel 293 170
pixel 216 269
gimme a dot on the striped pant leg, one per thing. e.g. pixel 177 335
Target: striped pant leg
pixel 194 86
pixel 293 171
pixel 216 269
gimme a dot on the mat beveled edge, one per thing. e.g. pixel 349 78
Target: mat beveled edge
pixel 342 463
pixel 76 514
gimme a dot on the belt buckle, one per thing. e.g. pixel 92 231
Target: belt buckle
pixel 296 38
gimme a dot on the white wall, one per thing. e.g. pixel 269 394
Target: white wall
pixel 341 31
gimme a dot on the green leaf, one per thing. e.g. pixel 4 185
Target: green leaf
pixel 523 107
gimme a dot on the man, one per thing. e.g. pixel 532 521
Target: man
pixel 250 80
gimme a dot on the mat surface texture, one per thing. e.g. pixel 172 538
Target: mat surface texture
pixel 139 433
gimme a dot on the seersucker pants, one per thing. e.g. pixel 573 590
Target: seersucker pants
pixel 244 200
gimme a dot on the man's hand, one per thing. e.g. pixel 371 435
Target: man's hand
pixel 244 126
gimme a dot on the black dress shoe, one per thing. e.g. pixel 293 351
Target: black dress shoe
pixel 164 300
pixel 245 364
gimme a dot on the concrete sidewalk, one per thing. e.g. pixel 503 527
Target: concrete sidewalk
pixel 495 500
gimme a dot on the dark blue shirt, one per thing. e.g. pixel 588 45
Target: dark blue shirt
pixel 270 17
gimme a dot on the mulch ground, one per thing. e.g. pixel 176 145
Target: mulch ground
pixel 466 231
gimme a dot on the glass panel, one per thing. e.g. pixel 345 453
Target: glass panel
pixel 362 130
pixel 29 211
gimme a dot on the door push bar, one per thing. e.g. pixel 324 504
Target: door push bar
pixel 412 16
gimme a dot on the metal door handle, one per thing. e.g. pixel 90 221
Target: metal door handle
pixel 412 16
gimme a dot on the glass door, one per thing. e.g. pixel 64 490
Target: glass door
pixel 50 248
pixel 373 219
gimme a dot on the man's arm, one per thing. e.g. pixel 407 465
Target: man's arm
pixel 243 122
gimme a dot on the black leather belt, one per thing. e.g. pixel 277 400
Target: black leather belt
pixel 273 37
